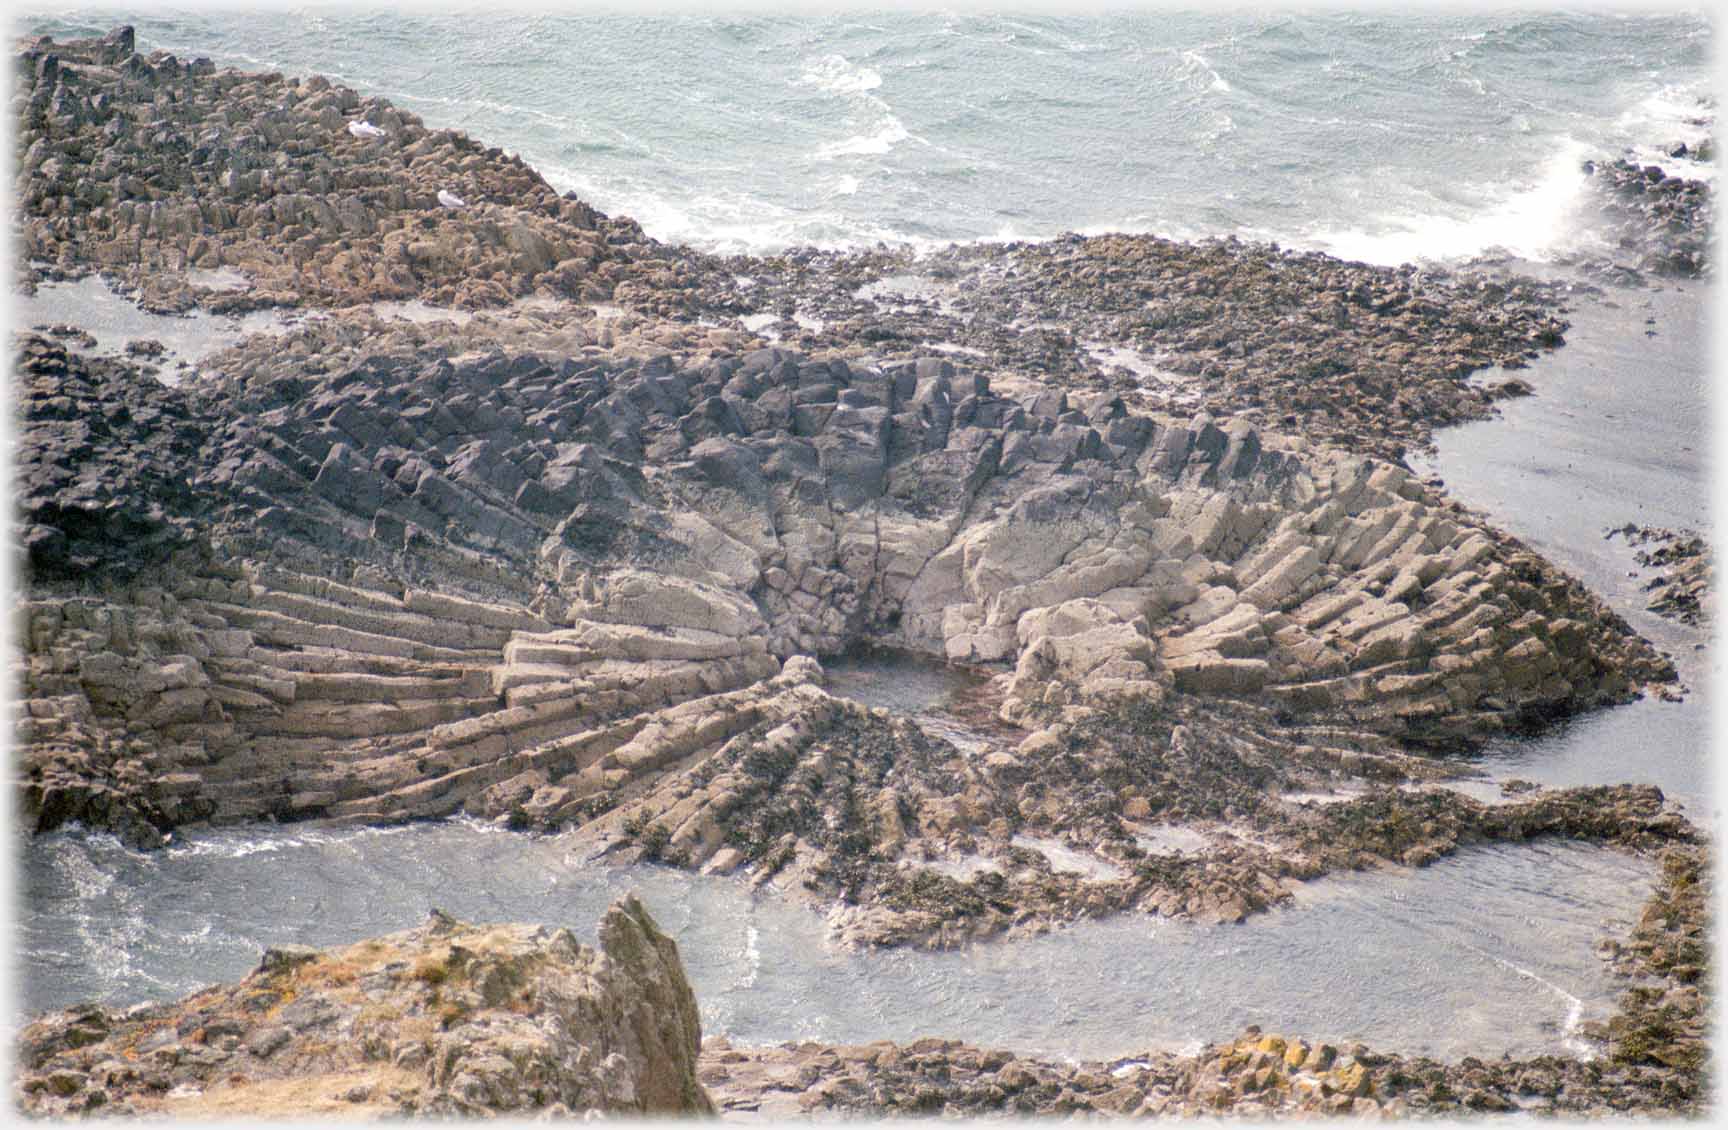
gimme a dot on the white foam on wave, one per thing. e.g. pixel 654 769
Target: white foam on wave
pixel 1666 115
pixel 873 143
pixel 1671 105
pixel 752 955
pixel 1197 66
pixel 733 221
pixel 233 845
pixel 1533 222
pixel 837 75
pixel 1145 223
pixel 1226 124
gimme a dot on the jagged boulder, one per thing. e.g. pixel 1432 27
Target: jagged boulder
pixel 448 1018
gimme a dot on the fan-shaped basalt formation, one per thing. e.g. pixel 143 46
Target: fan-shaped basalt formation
pixel 562 565
pixel 587 589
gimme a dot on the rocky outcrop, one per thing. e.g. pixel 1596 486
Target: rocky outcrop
pixel 446 1019
pixel 108 467
pixel 1681 588
pixel 574 567
pixel 1257 1076
pixel 160 169
pixel 561 566
pixel 260 177
pixel 1367 358
pixel 1660 221
pixel 405 586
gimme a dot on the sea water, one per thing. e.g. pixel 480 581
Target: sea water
pixel 1380 136
pixel 1486 952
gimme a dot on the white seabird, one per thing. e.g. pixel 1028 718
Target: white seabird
pixel 364 130
pixel 450 199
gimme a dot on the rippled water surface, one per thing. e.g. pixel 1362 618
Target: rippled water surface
pixel 1617 432
pixel 1490 951
pixel 1378 135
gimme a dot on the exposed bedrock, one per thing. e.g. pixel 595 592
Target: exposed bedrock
pixel 157 169
pixel 1660 223
pixel 225 190
pixel 1681 561
pixel 564 567
pixel 447 1019
pixel 1368 358
pixel 589 590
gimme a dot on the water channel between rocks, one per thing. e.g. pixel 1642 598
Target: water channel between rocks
pixel 115 321
pixel 1486 952
pixel 1617 432
pixel 1490 951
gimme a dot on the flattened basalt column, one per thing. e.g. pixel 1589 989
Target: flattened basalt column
pixel 576 543
pixel 1371 601
pixel 662 639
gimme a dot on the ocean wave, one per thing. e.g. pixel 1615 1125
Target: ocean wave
pixel 1051 36
pixel 1534 222
pixel 752 956
pixel 236 845
pixel 837 75
pixel 872 144
pixel 1670 113
pixel 1196 65
pixel 1679 107
pixel 738 222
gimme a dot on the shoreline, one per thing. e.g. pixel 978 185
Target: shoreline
pixel 1060 700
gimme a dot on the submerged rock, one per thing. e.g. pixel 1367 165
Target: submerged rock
pixel 444 1019
pixel 1661 223
pixel 1681 588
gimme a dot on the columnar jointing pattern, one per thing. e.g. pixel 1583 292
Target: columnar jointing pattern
pixel 570 591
